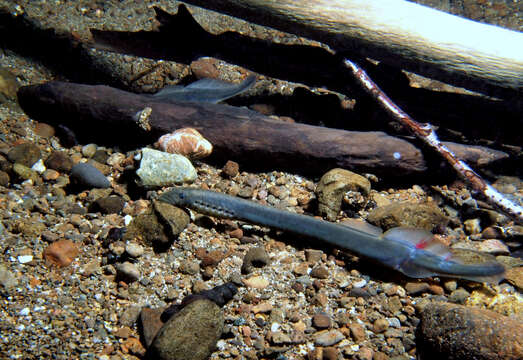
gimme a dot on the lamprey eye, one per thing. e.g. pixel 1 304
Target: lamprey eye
pixel 181 196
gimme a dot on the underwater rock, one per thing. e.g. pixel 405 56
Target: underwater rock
pixel 88 175
pixel 25 154
pixel 61 253
pixel 424 216
pixel 158 168
pixel 449 331
pixel 187 142
pixel 8 85
pixel 176 339
pixel 333 186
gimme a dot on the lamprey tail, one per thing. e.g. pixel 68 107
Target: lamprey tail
pixel 429 257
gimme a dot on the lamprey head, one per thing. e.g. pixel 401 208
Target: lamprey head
pixel 175 196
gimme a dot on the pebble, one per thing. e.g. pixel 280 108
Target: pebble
pixel 449 331
pixel 459 296
pixel 187 142
pixel 332 187
pixel 472 226
pixel 176 218
pixel 89 150
pixel 150 324
pixel 111 204
pixel 230 169
pixel 38 166
pixel 492 232
pixel 255 257
pixel 380 325
pixel 128 271
pixel 88 175
pixel 191 333
pixel 24 259
pixel 24 154
pixel 44 130
pixel 147 228
pixel 418 215
pixel 494 246
pixel 328 337
pixel 256 282
pixel 59 161
pixel 134 250
pixel 313 256
pixel 158 168
pixel 321 321
pixel 515 277
pixel 25 173
pixel 320 272
pixel 417 288
pixel 7 280
pixel 357 332
pixel 50 175
pixel 61 253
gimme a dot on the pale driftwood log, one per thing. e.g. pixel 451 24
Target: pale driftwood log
pixel 103 114
pixel 429 42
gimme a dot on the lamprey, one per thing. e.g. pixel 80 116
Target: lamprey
pixel 414 252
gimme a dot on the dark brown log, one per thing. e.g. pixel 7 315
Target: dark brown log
pixel 110 116
pixel 104 114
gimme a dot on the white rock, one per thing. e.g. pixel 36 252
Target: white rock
pixel 39 166
pixel 159 168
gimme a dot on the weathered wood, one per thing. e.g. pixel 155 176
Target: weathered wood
pixel 107 115
pixel 102 113
pixel 400 33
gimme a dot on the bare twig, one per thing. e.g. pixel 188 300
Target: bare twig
pixel 426 133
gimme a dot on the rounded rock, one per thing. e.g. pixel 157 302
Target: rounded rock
pixel 25 154
pixel 88 175
pixel 61 253
pixel 111 204
pixel 158 168
pixel 59 161
pixel 192 333
pixel 449 331
pixel 128 271
pixel 89 150
pixel 187 142
pixel 134 250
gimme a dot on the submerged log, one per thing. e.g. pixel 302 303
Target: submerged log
pixel 107 115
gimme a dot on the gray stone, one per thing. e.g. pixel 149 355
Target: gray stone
pixel 7 280
pixel 134 250
pixel 128 271
pixel 159 168
pixel 88 175
pixel 328 337
pixel 191 333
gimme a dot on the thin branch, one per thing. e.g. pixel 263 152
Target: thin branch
pixel 427 134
